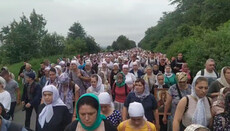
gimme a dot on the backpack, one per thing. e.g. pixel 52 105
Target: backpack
pixel 113 91
pixel 202 73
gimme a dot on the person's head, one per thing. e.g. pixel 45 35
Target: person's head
pixel 42 65
pixel 201 86
pixel 227 103
pixel 196 127
pixel 94 80
pixel 134 57
pixel 155 67
pixel 135 66
pixel 162 95
pixel 168 69
pixel 2 111
pixel 210 65
pixel 185 67
pixel 88 111
pixel 139 85
pixel 160 78
pixel 88 65
pixel 136 113
pixel 125 69
pixel 74 65
pixel 105 102
pixel 120 77
pixel 30 77
pixel 28 67
pixel 152 55
pixel 52 74
pixel 182 79
pixel 149 70
pixel 64 79
pixel 104 64
pixel 226 72
pixel 49 94
pixel 180 56
pixel 58 69
pixel 46 71
pixel 6 75
pixel 115 66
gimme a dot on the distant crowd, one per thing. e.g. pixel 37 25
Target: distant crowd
pixel 132 90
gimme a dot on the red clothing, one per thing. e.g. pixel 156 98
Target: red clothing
pixel 120 94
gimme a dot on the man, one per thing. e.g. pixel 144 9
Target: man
pixel 13 88
pixel 209 72
pixel 26 71
pixel 21 70
pixel 177 64
pixel 31 97
pixel 41 71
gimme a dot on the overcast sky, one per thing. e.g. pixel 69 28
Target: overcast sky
pixel 105 20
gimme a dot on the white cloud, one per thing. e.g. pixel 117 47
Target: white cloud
pixel 105 20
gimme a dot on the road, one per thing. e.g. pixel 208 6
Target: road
pixel 19 117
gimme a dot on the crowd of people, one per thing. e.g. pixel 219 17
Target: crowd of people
pixel 132 90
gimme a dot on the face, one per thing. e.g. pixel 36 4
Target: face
pixel 149 71
pixel 48 97
pixel 28 79
pixel 155 67
pixel 182 83
pixel 179 56
pixel 105 108
pixel 125 70
pixel 210 66
pixel 119 78
pixel 52 75
pixel 104 65
pixel 46 72
pixel 137 121
pixel 115 67
pixel 135 67
pixel 167 69
pixel 87 67
pixel 139 87
pixel 93 82
pixel 7 77
pixel 87 114
pixel 28 67
pixel 227 74
pixel 160 79
pixel 73 66
pixel 201 89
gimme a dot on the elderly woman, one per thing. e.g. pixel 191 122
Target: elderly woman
pixel 53 114
pixel 88 116
pixel 194 108
pixel 96 85
pixel 137 120
pixel 141 94
pixel 119 91
pixel 129 77
pixel 5 98
pixel 170 78
pixel 114 116
pixel 113 74
pixel 175 93
pixel 149 77
pixel 223 81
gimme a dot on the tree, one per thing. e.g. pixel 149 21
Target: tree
pixel 123 43
pixel 76 31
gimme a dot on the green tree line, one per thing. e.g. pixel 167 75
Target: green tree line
pixel 28 38
pixel 197 28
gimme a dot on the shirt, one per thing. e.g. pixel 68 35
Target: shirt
pixel 128 127
pixel 11 87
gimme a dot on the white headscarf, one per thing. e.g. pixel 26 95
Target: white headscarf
pixel 99 88
pixel 199 116
pixel 3 82
pixel 136 109
pixel 144 94
pixel 222 79
pixel 47 112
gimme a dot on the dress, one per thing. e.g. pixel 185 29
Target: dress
pixel 115 118
pixel 221 122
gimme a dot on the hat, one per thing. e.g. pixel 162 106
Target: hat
pixel 104 98
pixel 3 82
pixel 58 67
pixel 181 76
pixel 135 63
pixel 31 75
pixel 136 109
pixel 125 66
pixel 47 68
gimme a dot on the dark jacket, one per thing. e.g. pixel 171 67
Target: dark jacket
pixel 61 118
pixel 139 73
pixel 36 93
pixel 108 126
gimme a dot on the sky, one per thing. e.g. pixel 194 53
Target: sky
pixel 105 20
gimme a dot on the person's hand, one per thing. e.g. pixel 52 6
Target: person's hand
pixel 165 119
pixel 23 103
pixel 28 105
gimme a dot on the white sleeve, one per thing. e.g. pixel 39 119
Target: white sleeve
pixel 7 101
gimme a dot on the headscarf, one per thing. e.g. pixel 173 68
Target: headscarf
pixel 99 118
pixel 144 94
pixel 63 78
pixel 3 82
pixel 194 127
pixel 105 98
pixel 199 116
pixel 168 74
pixel 220 102
pixel 99 88
pixel 136 109
pixel 222 79
pixel 123 80
pixel 47 112
pixel 182 76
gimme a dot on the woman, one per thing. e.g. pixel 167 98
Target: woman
pixel 149 78
pixel 114 116
pixel 170 78
pixel 223 81
pixel 53 78
pixel 137 121
pixel 96 85
pixel 219 105
pixel 5 98
pixel 222 121
pixel 129 77
pixel 53 114
pixel 119 91
pixel 113 74
pixel 141 94
pixel 194 108
pixel 196 127
pixel 175 93
pixel 185 69
pixel 88 116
